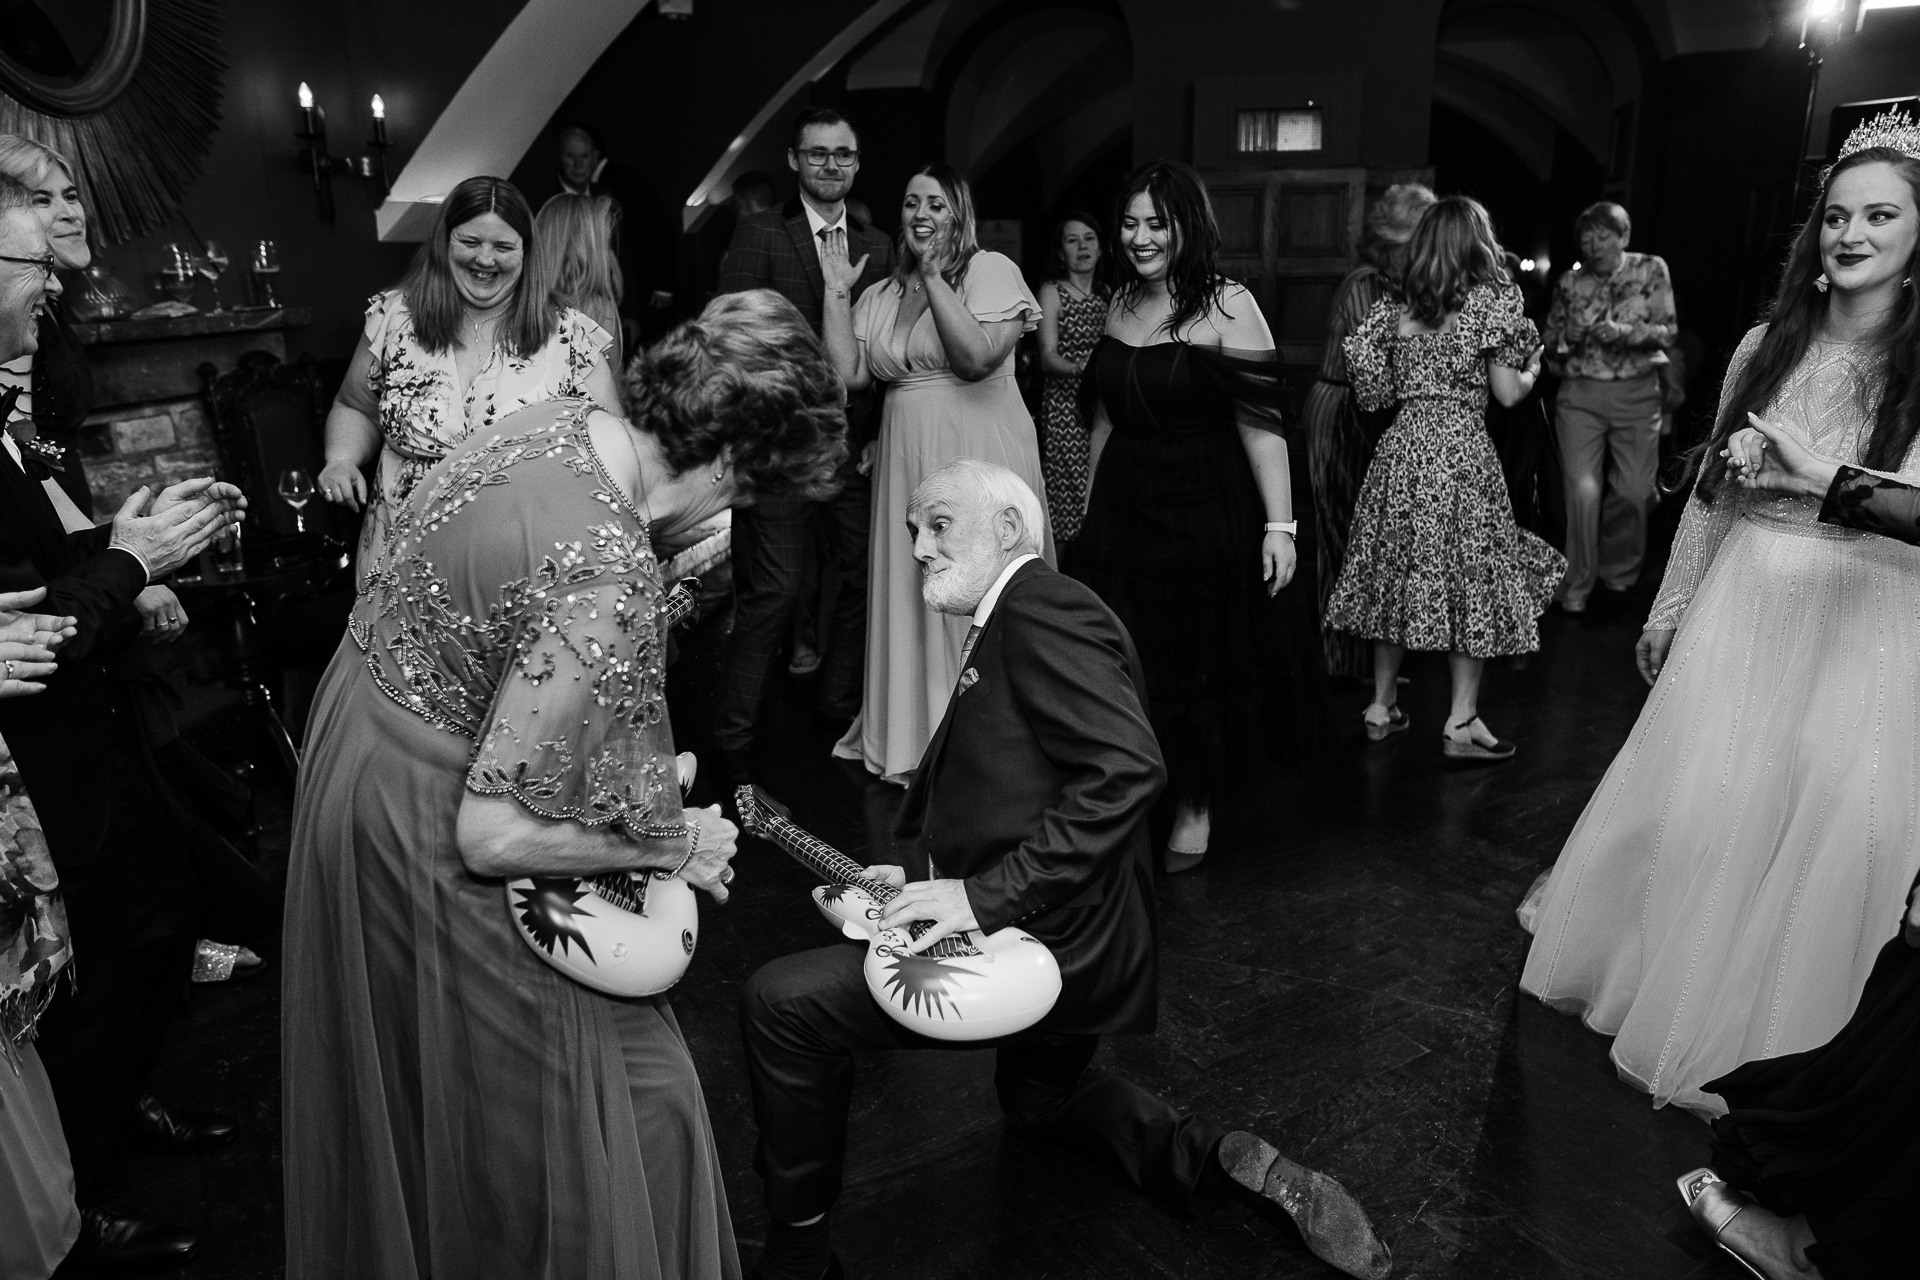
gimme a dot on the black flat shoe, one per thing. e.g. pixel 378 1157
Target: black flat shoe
pixel 1330 1220
pixel 177 1130
pixel 115 1243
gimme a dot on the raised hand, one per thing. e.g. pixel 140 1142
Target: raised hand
pixel 841 275
pixel 936 258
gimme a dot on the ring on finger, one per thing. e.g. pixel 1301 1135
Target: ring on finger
pixel 726 873
pixel 10 676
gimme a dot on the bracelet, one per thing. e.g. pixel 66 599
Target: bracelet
pixel 693 846
pixel 1289 527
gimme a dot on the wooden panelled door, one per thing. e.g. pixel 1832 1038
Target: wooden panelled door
pixel 1290 236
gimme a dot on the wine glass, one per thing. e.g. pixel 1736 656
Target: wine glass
pixel 177 273
pixel 266 270
pixel 296 490
pixel 212 264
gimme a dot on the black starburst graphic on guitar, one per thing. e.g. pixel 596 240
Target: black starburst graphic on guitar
pixel 547 910
pixel 923 984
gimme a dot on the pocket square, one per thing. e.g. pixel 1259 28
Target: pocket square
pixel 968 679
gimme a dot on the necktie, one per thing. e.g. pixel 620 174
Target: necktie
pixel 966 650
pixel 833 240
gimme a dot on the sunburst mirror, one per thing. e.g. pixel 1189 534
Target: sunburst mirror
pixel 128 90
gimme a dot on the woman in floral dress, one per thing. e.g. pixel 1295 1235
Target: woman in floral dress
pixel 1073 315
pixel 1435 560
pixel 472 333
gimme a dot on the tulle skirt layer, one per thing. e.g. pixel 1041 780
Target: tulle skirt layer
pixel 1724 894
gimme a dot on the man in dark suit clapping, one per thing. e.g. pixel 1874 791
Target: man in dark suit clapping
pixel 780 249
pixel 1031 807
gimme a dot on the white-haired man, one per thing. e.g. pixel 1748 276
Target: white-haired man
pixel 1030 806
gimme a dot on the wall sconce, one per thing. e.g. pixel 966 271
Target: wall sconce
pixel 323 164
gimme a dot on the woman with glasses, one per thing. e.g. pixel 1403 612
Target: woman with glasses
pixel 473 332
pixel 940 333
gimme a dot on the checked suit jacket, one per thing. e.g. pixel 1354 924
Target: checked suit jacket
pixel 776 249
pixel 1035 791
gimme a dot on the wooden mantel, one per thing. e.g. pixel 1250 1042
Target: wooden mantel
pixel 140 361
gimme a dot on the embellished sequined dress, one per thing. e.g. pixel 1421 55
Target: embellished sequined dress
pixel 1724 894
pixel 453 1106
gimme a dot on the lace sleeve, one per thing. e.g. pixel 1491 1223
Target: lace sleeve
pixel 1367 353
pixel 578 728
pixel 1703 526
pixel 1861 499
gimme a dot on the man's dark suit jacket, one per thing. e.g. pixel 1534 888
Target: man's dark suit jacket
pixel 647 244
pixel 1035 791
pixel 63 738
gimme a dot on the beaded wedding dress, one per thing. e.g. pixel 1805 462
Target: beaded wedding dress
pixel 1724 894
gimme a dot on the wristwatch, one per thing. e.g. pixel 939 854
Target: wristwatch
pixel 1283 526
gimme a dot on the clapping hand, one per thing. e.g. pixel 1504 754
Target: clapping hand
pixel 936 258
pixel 1767 456
pixel 27 642
pixel 168 530
pixel 944 902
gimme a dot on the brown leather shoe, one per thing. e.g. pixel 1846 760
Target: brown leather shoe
pixel 1330 1220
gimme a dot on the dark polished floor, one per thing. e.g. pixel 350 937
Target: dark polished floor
pixel 1340 977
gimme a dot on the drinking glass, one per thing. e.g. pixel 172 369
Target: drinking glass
pixel 266 270
pixel 212 264
pixel 226 552
pixel 177 273
pixel 296 490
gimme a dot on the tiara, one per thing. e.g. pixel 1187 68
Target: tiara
pixel 1893 129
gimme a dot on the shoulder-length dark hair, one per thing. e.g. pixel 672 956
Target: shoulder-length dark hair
pixel 1194 281
pixel 434 300
pixel 1452 250
pixel 1795 317
pixel 749 377
pixel 965 240
pixel 1057 261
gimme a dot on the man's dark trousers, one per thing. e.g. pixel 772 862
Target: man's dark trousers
pixel 804 1016
pixel 772 545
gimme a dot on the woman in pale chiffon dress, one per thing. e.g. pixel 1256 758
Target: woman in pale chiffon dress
pixel 1725 893
pixel 941 333
pixel 454 1107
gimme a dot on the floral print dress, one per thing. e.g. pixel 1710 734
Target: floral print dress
pixel 1434 559
pixel 422 415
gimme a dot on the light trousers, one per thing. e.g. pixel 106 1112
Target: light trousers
pixel 1609 436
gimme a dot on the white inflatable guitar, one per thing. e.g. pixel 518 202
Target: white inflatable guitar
pixel 627 933
pixel 963 987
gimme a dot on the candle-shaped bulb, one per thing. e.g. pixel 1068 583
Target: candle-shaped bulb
pixel 379 107
pixel 306 97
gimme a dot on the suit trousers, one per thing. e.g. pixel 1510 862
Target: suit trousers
pixel 772 543
pixel 1609 434
pixel 130 909
pixel 804 1016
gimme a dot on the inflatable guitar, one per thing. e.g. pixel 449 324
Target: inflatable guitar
pixel 963 987
pixel 627 933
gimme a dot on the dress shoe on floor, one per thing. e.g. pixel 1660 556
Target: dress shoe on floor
pixel 225 962
pixel 1330 1220
pixel 177 1130
pixel 114 1243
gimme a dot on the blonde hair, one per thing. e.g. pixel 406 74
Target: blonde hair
pixel 27 161
pixel 573 238
pixel 963 242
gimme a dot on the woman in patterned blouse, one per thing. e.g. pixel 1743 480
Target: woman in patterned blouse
pixel 1611 319
pixel 454 1106
pixel 472 333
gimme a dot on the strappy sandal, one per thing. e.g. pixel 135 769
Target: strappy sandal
pixel 1714 1205
pixel 1469 750
pixel 1392 720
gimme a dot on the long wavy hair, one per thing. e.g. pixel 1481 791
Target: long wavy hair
pixel 574 238
pixel 1194 281
pixel 434 300
pixel 1452 250
pixel 963 239
pixel 1797 312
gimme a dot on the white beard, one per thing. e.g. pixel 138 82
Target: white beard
pixel 957 590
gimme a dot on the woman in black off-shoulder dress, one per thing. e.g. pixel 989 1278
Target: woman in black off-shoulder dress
pixel 1189 464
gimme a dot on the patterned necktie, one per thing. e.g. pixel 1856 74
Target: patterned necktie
pixel 833 240
pixel 966 650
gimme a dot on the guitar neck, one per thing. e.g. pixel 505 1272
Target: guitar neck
pixel 678 603
pixel 822 858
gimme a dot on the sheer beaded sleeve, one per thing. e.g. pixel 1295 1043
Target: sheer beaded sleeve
pixel 1703 526
pixel 578 727
pixel 1368 351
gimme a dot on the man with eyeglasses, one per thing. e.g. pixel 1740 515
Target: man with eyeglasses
pixel 132 888
pixel 780 249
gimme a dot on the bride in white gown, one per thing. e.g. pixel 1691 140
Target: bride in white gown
pixel 1724 894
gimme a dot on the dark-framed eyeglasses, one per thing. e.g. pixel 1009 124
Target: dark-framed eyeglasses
pixel 48 265
pixel 845 157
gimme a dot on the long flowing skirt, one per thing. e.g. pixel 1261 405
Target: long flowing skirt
pixel 453 1106
pixel 913 653
pixel 38 1220
pixel 1724 894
